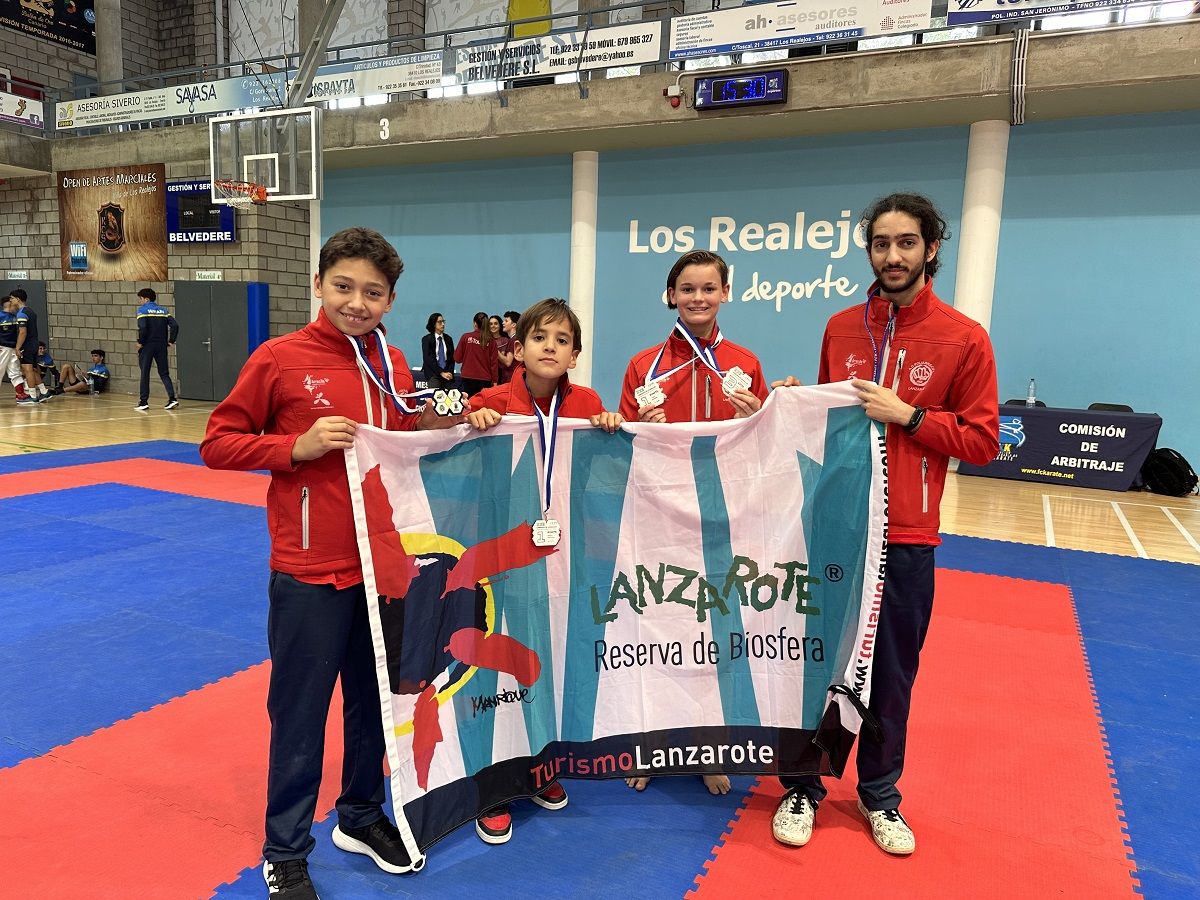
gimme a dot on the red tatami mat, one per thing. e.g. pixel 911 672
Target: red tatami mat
pixel 157 474
pixel 167 803
pixel 1007 784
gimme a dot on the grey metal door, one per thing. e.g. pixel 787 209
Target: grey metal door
pixel 230 335
pixel 213 337
pixel 193 349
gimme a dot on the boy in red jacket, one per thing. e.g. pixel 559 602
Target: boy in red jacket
pixel 695 375
pixel 299 397
pixel 547 344
pixel 928 372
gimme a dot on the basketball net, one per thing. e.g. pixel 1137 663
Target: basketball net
pixel 240 194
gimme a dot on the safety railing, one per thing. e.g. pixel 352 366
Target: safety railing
pixel 573 46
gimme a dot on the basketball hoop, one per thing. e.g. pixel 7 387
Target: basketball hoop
pixel 240 194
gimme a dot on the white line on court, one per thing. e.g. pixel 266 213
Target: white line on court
pixel 1187 535
pixel 1102 500
pixel 146 415
pixel 1049 521
pixel 1133 539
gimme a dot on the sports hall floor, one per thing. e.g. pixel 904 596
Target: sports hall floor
pixel 1054 727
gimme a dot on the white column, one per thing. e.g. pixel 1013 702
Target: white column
pixel 979 238
pixel 314 254
pixel 585 172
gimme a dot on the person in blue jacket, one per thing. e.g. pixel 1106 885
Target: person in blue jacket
pixel 156 329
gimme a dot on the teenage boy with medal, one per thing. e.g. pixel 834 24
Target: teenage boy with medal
pixel 299 397
pixel 547 343
pixel 695 375
pixel 933 382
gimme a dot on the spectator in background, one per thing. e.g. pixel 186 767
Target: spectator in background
pixel 27 341
pixel 476 354
pixel 46 366
pixel 437 353
pixel 504 351
pixel 94 380
pixel 156 329
pixel 10 360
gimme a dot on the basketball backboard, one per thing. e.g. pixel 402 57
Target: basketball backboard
pixel 279 149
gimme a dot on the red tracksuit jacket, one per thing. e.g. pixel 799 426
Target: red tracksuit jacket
pixel 476 361
pixel 940 360
pixel 694 393
pixel 287 384
pixel 513 398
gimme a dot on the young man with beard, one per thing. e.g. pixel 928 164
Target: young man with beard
pixel 927 372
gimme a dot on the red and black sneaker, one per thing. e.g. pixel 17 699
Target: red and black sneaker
pixel 553 797
pixel 494 826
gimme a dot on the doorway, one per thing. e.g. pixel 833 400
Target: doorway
pixel 214 338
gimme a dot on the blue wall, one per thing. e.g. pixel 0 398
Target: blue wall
pixel 764 182
pixel 1096 282
pixel 1097 247
pixel 487 236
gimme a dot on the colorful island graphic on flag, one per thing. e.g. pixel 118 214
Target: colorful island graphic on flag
pixel 710 607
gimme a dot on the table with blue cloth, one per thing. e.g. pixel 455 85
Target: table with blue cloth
pixel 1079 447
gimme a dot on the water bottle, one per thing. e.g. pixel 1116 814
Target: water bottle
pixel 1031 397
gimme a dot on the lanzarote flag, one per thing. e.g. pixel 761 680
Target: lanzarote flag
pixel 709 606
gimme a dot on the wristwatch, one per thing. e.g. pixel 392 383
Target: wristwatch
pixel 914 423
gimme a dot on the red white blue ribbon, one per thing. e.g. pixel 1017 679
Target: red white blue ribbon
pixel 704 354
pixel 385 381
pixel 548 433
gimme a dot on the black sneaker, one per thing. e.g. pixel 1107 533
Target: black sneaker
pixel 171 404
pixel 380 840
pixel 288 880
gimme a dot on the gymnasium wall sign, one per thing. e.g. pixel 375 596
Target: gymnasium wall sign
pixel 69 23
pixel 193 218
pixel 112 223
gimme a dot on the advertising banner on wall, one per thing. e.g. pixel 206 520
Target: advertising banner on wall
pixel 193 218
pixel 165 103
pixel 112 223
pixel 21 110
pixel 554 54
pixel 70 23
pixel 970 12
pixel 363 78
pixel 768 26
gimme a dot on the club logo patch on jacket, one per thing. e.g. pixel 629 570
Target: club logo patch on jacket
pixel 920 374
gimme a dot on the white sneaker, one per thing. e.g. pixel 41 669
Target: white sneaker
pixel 792 823
pixel 142 407
pixel 171 404
pixel 890 831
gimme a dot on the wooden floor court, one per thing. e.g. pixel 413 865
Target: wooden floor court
pixel 1129 524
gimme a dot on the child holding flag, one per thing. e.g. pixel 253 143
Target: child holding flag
pixel 298 398
pixel 695 375
pixel 547 343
